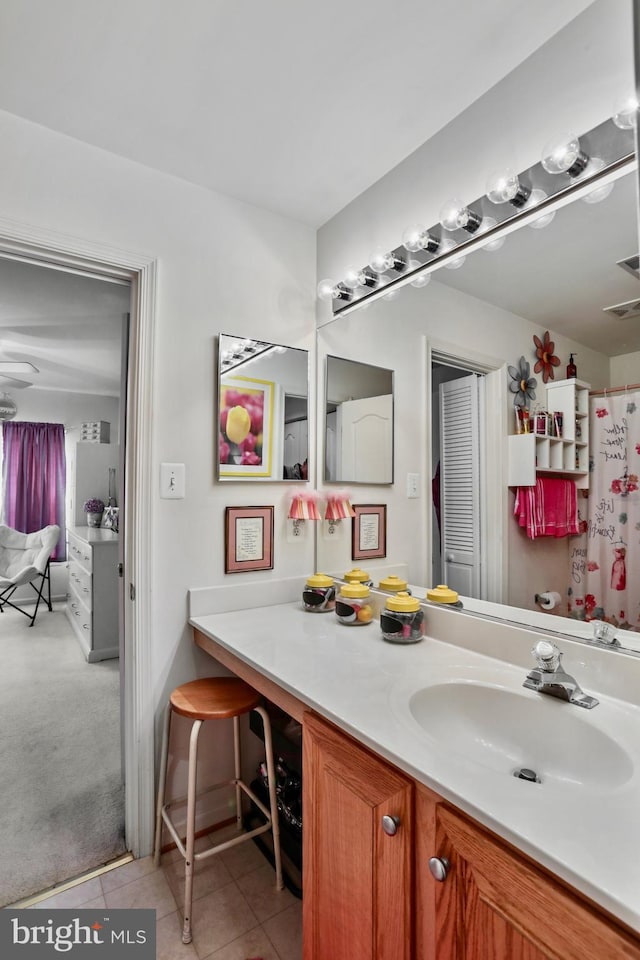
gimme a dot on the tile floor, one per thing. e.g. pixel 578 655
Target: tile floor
pixel 237 912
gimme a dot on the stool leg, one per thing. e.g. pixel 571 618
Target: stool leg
pixel 191 829
pixel 273 803
pixel 162 783
pixel 238 772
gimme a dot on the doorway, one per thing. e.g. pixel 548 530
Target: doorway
pixel 88 258
pixel 468 430
pixel 61 682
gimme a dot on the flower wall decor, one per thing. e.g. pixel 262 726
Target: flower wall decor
pixel 546 358
pixel 523 385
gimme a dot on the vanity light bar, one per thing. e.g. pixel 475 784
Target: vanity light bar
pixel 612 149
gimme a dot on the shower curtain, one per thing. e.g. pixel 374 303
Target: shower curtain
pixel 605 562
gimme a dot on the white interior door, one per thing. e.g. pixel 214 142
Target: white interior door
pixel 365 433
pixel 460 483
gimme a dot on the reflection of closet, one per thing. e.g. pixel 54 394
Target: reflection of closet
pixel 568 455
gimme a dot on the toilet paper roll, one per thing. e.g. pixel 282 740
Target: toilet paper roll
pixel 549 600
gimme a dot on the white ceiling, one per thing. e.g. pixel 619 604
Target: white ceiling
pixel 295 105
pixel 67 325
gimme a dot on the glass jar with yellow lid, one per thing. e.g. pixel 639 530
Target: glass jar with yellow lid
pixel 353 604
pixel 319 594
pixel 358 576
pixel 394 584
pixel 402 620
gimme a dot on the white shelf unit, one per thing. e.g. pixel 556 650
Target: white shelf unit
pixel 531 453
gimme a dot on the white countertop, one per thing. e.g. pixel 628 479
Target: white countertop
pixel 589 835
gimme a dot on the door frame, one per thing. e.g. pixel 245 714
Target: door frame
pixel 46 248
pixel 494 509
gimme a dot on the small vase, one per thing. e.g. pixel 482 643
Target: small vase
pixel 94 519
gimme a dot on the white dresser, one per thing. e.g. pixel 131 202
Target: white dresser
pixel 92 604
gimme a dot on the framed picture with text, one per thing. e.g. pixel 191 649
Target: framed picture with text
pixel 369 532
pixel 248 539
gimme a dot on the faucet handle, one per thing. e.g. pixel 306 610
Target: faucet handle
pixel 547 656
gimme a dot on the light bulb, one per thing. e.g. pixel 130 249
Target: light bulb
pixel 383 260
pixel 455 264
pixel 422 279
pixel 353 278
pixel 537 196
pixel 503 186
pixel 600 191
pixel 417 237
pixel 329 290
pixel 626 115
pixel 564 155
pixel 454 215
pixel 488 223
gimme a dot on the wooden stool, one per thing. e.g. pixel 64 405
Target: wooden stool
pixel 214 698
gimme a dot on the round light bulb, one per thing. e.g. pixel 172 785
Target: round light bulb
pixel 455 264
pixel 601 191
pixel 454 214
pixel 564 155
pixel 537 196
pixel 415 238
pixel 381 261
pixel 626 115
pixel 353 278
pixel 328 290
pixel 503 185
pixel 488 223
pixel 422 279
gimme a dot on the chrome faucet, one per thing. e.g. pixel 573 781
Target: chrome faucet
pixel 549 677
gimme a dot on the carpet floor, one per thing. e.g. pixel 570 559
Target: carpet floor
pixel 62 809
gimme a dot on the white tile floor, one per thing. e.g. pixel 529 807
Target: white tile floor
pixel 237 911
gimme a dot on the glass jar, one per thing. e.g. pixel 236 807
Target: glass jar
pixel 358 576
pixel 393 584
pixel 353 605
pixel 402 620
pixel 319 594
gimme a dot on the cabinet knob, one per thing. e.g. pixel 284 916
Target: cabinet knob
pixel 439 868
pixel 390 825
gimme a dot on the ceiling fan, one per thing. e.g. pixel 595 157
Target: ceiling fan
pixel 11 372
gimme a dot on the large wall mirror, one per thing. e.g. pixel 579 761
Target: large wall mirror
pixel 263 394
pixel 358 422
pixel 577 277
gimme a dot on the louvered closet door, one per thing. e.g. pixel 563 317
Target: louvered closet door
pixel 460 484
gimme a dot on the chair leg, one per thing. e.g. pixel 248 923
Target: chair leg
pixel 45 578
pixel 191 824
pixel 237 768
pixel 273 803
pixel 162 783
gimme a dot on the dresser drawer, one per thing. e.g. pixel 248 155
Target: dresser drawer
pixel 80 551
pixel 80 617
pixel 80 583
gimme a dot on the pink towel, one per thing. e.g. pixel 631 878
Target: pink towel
pixel 549 509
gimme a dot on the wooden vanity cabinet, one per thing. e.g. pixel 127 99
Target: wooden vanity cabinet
pixel 357 879
pixel 495 904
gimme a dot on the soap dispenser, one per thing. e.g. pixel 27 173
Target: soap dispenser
pixel 572 370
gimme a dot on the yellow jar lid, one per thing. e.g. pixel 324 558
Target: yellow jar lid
pixel 319 580
pixel 393 583
pixel 403 603
pixel 442 594
pixel 356 575
pixel 355 591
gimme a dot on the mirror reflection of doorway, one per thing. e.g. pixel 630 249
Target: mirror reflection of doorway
pixel 457 431
pixel 61 742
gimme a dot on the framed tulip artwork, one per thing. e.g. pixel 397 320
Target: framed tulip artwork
pixel 245 427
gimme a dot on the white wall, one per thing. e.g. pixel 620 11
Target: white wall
pixel 72 409
pixel 625 369
pixel 207 247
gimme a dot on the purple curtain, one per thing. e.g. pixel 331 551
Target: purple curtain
pixel 34 478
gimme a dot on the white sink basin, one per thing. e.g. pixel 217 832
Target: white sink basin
pixel 504 730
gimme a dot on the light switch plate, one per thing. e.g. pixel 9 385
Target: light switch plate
pixel 172 481
pixel 413 486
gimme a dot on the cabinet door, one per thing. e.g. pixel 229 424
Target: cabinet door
pixel 357 878
pixel 496 905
